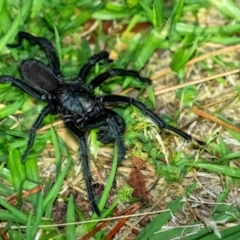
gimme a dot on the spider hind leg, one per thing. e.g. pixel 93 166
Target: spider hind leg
pixel 116 100
pixel 106 136
pixel 111 127
pixel 80 135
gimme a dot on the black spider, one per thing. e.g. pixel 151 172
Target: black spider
pixel 80 109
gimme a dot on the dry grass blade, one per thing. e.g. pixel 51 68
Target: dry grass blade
pixel 198 59
pixel 214 119
pixel 168 70
pixel 3 235
pixel 13 199
pixel 127 211
pixel 173 88
pixel 121 222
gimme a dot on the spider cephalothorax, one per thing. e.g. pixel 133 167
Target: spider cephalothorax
pixel 75 101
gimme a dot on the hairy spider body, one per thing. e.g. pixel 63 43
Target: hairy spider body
pixel 75 101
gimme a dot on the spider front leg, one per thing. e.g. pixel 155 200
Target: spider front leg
pixel 36 94
pixel 92 62
pixel 45 111
pixel 22 86
pixel 115 99
pixel 116 72
pixel 47 46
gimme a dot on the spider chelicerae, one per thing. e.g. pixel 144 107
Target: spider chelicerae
pixel 75 101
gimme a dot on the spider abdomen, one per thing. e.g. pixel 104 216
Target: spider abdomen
pixel 39 75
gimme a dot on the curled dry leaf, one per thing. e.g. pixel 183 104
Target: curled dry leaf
pixel 138 163
pixel 136 180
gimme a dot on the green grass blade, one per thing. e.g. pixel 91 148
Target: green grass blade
pixel 7 216
pixel 48 19
pixel 207 234
pixel 32 174
pixel 132 3
pixel 228 171
pixel 5 173
pixel 151 42
pixel 182 56
pixel 131 25
pixel 50 198
pixel 8 110
pixel 26 8
pixel 16 168
pixel 77 21
pixel 58 45
pixel 163 218
pixel 29 226
pixel 158 17
pixel 230 233
pixel 151 96
pixel 5 190
pixel 57 151
pixel 20 217
pixel 228 8
pixel 160 220
pixel 36 8
pixel 184 29
pixel 19 19
pixel 1 5
pixel 38 216
pixel 110 180
pixel 70 229
pixel 175 233
pixel 177 12
pixel 32 171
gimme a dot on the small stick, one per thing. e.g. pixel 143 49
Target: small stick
pixel 214 119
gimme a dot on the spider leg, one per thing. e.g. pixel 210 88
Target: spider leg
pixel 22 85
pixel 45 111
pixel 111 127
pixel 117 135
pixel 115 72
pixel 80 135
pixel 91 62
pixel 115 99
pixel 114 133
pixel 45 44
pixel 106 136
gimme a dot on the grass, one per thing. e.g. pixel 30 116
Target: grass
pixel 190 49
